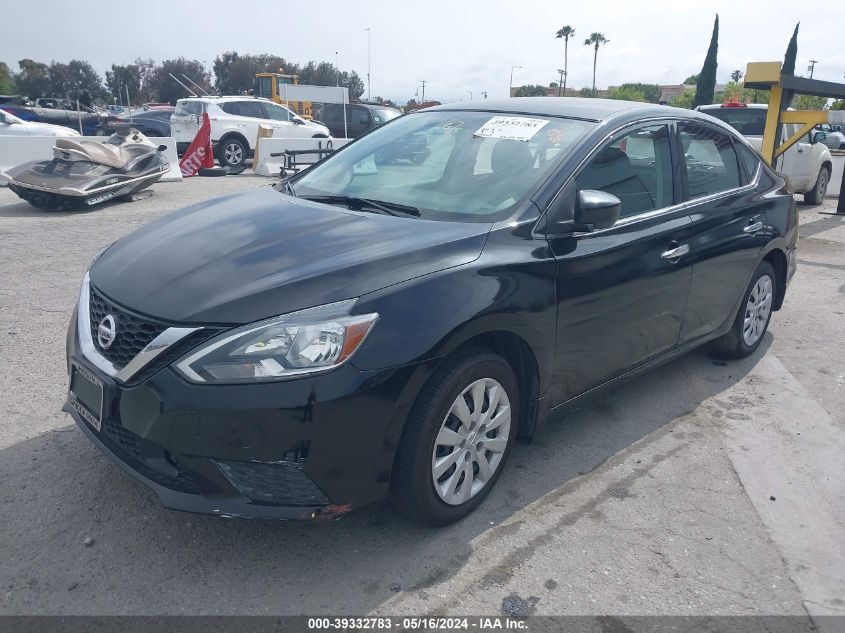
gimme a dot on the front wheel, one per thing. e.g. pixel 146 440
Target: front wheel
pixel 753 317
pixel 817 193
pixel 457 439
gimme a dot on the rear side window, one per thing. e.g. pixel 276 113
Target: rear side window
pixel 190 107
pixel 230 108
pixel 711 162
pixel 636 168
pixel 252 109
pixel 749 159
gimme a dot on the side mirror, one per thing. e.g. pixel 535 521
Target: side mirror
pixel 596 210
pixel 818 137
pixel 297 121
pixel 162 148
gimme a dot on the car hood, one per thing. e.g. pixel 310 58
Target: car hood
pixel 48 129
pixel 259 253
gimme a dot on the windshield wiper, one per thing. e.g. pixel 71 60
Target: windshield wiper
pixel 368 204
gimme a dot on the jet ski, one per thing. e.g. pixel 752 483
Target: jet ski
pixel 85 173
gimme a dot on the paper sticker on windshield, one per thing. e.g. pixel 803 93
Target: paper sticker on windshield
pixel 513 128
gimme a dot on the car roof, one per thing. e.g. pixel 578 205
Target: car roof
pixel 226 98
pixel 585 108
pixel 717 106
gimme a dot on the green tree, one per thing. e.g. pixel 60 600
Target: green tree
pixel 325 74
pixel 531 91
pixel 626 92
pixel 33 80
pixel 121 78
pixel 159 85
pixel 839 104
pixel 76 79
pixel 235 74
pixel 7 82
pixel 736 76
pixel 651 92
pixel 565 33
pixel 791 53
pixel 809 102
pixel 586 91
pixel 692 80
pixel 595 40
pixel 707 77
pixel 684 100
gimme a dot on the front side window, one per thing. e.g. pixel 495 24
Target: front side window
pixel 711 162
pixel 636 168
pixel 451 165
pixel 277 113
pixel 252 109
pixel 362 117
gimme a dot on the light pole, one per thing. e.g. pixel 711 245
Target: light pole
pixel 484 92
pixel 369 57
pixel 336 70
pixel 423 82
pixel 510 87
pixel 470 94
pixel 812 66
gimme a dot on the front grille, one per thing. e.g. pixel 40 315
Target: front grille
pixel 134 332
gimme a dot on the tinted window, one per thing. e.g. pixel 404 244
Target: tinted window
pixel 636 168
pixel 749 159
pixel 710 161
pixel 251 109
pixel 229 108
pixel 746 121
pixel 190 107
pixel 361 116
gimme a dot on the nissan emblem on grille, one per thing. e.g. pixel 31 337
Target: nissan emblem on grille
pixel 106 332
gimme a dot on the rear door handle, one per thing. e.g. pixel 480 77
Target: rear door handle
pixel 674 254
pixel 753 228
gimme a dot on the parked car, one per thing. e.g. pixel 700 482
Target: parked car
pixel 832 136
pixel 360 118
pixel 807 165
pixel 10 125
pixel 154 123
pixel 362 330
pixel 85 118
pixel 234 125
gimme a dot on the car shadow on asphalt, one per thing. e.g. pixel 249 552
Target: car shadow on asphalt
pixel 58 491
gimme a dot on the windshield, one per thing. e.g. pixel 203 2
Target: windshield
pixel 459 165
pixel 746 121
pixel 9 117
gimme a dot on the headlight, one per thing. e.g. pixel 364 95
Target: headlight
pixel 293 344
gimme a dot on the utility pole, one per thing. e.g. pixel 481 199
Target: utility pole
pixel 510 87
pixel 336 70
pixel 484 92
pixel 560 84
pixel 369 58
pixel 470 94
pixel 812 66
pixel 423 82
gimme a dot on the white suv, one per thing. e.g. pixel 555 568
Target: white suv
pixel 807 165
pixel 234 125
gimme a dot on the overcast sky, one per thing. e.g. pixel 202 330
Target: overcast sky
pixel 455 45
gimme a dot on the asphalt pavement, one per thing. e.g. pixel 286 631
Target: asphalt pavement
pixel 703 487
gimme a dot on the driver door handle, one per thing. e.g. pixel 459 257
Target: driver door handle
pixel 753 228
pixel 674 254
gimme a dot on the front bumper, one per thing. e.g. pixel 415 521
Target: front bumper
pixel 314 447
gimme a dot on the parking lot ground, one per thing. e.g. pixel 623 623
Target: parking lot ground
pixel 701 488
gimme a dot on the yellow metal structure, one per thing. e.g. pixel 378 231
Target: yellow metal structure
pixel 272 86
pixel 767 76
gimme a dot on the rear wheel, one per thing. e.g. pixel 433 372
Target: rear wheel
pixel 457 439
pixel 232 152
pixel 753 317
pixel 817 193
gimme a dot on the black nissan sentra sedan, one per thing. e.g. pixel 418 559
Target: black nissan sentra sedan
pixel 375 328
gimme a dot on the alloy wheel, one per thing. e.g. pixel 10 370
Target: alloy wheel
pixel 471 441
pixel 234 154
pixel 757 310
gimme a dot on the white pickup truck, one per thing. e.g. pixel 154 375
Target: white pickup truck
pixel 807 165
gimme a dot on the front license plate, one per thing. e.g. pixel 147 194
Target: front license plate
pixel 86 395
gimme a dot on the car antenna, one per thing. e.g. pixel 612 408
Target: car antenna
pixel 193 94
pixel 196 85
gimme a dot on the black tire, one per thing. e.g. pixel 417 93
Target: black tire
pixel 232 152
pixel 412 487
pixel 817 193
pixel 733 344
pixel 212 171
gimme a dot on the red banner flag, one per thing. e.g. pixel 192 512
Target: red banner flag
pixel 200 153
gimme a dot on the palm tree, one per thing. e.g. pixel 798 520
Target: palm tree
pixel 595 40
pixel 566 32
